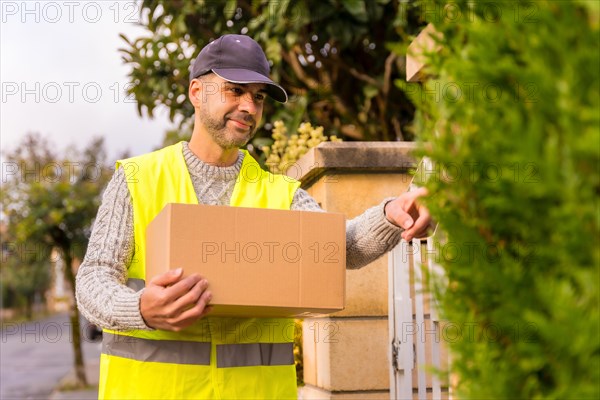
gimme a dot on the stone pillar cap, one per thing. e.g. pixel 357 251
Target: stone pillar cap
pixel 353 156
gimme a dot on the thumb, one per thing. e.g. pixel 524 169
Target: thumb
pixel 396 213
pixel 404 219
pixel 167 278
pixel 412 197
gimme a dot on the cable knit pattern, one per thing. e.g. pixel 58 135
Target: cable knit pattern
pixel 101 294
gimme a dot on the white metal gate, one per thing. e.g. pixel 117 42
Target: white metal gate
pixel 417 348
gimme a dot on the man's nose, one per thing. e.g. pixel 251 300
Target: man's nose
pixel 248 103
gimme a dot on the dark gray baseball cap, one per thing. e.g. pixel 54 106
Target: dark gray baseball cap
pixel 237 59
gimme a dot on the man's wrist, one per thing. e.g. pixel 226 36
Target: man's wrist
pixel 385 216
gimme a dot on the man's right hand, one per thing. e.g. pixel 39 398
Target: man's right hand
pixel 171 302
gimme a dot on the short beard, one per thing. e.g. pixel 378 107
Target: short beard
pixel 217 129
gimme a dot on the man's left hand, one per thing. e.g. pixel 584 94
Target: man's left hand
pixel 405 211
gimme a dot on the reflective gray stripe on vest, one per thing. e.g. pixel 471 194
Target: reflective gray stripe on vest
pixel 253 354
pixel 165 351
pixel 136 284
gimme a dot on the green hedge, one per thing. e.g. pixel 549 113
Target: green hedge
pixel 511 112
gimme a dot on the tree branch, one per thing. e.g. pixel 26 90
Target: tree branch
pixel 291 57
pixel 335 61
pixel 387 73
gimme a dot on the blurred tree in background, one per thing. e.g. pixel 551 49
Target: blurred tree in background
pixel 511 115
pixel 24 276
pixel 331 56
pixel 49 200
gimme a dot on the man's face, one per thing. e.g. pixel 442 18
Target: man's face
pixel 230 112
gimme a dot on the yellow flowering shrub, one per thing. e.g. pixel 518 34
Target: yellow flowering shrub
pixel 287 150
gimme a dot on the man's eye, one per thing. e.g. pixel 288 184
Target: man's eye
pixel 260 97
pixel 237 90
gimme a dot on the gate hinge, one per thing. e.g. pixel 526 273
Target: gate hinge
pixel 395 353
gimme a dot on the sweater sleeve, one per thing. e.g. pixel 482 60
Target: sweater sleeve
pixel 101 293
pixel 368 236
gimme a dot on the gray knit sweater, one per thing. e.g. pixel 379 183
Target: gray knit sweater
pixel 101 294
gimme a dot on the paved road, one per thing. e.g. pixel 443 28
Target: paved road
pixel 35 356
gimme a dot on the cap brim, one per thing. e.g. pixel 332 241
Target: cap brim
pixel 244 76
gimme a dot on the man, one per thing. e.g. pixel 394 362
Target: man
pixel 160 340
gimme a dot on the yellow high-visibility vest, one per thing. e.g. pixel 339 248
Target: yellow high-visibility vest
pixel 215 358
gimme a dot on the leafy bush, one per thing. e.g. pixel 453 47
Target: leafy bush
pixel 511 115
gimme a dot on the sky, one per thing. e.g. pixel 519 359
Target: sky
pixel 62 75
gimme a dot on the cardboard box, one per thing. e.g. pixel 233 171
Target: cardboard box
pixel 258 262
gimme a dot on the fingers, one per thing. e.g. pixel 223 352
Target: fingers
pixel 171 302
pixel 395 213
pixel 199 310
pixel 402 218
pixel 190 298
pixel 420 227
pixel 167 278
pixel 404 210
pixel 411 198
pixel 181 288
pixel 173 286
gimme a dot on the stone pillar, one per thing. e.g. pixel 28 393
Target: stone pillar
pixel 346 354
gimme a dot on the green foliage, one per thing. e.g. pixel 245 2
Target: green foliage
pixel 512 120
pixel 25 279
pixel 331 56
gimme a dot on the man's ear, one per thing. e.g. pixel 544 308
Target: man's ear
pixel 195 92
